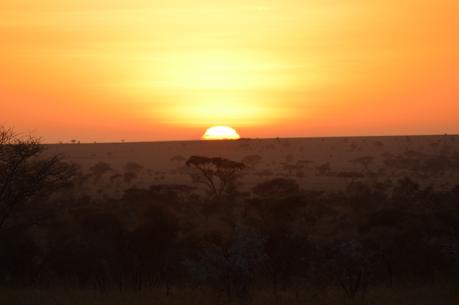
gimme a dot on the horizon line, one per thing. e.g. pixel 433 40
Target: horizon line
pixel 257 138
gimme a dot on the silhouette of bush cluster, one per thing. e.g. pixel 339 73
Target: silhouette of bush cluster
pixel 279 236
pixel 435 163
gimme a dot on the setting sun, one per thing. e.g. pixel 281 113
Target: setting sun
pixel 221 133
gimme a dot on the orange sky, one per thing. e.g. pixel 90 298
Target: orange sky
pixel 107 70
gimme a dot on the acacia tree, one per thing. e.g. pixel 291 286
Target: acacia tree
pixel 218 174
pixel 323 169
pixel 100 169
pixel 133 167
pixel 27 174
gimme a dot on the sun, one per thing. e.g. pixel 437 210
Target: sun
pixel 220 133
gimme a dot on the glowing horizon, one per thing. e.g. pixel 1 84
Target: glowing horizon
pixel 136 70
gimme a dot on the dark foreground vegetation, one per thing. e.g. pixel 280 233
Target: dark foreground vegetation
pixel 402 295
pixel 376 242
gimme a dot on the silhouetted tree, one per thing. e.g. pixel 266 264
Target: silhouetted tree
pixel 351 174
pixel 276 187
pixel 216 173
pixel 264 173
pixel 99 169
pixel 289 167
pixel 305 163
pixel 364 162
pixel 27 174
pixel 232 265
pixel 129 177
pixel 351 267
pixel 133 167
pixel 155 248
pixel 323 169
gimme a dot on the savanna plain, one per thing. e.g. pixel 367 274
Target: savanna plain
pixel 349 220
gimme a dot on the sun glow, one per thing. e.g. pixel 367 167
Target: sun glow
pixel 142 69
pixel 221 133
pixel 237 87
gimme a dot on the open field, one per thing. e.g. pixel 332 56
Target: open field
pixel 369 221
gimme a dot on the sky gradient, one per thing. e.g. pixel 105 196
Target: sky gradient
pixel 143 70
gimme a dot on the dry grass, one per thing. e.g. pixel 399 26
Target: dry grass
pixel 418 295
